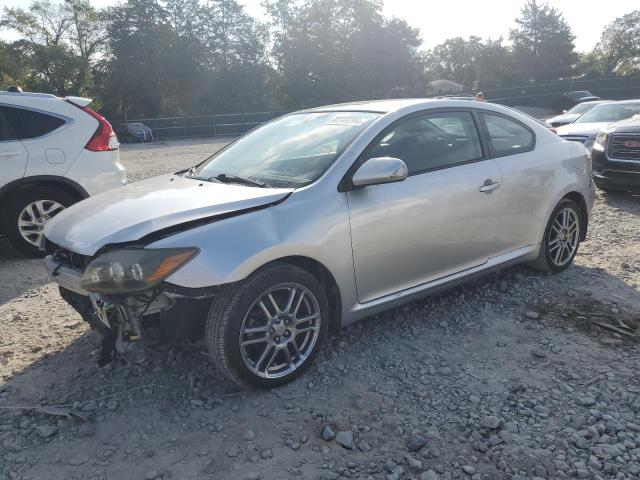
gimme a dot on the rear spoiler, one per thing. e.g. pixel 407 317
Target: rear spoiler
pixel 79 101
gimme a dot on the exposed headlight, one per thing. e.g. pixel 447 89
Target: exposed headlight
pixel 589 143
pixel 134 270
pixel 601 141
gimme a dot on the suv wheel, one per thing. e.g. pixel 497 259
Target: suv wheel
pixel 561 238
pixel 266 330
pixel 27 213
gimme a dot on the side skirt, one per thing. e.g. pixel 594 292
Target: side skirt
pixel 361 310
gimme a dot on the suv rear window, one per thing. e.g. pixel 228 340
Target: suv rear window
pixel 29 123
pixel 6 132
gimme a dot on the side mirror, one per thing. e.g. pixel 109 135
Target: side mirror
pixel 376 171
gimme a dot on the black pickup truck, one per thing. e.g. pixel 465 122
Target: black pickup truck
pixel 616 157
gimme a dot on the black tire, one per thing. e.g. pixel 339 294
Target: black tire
pixel 545 262
pixel 15 206
pixel 234 302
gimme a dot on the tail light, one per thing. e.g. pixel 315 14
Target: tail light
pixel 104 138
pixel 552 129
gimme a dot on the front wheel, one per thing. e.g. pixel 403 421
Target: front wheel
pixel 561 238
pixel 266 330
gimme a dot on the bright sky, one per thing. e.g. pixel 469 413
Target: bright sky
pixel 439 20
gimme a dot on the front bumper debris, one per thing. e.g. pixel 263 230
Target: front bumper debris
pixel 117 318
pixel 121 319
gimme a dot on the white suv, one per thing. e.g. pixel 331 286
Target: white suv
pixel 54 152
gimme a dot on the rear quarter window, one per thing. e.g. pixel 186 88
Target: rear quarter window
pixel 507 137
pixel 30 124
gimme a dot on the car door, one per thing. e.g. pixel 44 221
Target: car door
pixel 528 179
pixel 441 220
pixel 13 154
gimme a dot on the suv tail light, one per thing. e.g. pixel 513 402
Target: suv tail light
pixel 104 138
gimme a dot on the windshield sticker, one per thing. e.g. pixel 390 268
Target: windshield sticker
pixel 349 119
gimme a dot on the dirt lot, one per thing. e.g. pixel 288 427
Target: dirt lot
pixel 518 376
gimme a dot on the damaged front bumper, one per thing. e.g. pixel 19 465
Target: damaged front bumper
pixel 124 320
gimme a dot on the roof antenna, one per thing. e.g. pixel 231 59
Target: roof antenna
pixel 14 89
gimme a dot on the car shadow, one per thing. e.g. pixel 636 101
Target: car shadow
pixel 626 201
pixel 19 274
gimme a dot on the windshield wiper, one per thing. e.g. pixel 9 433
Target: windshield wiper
pixel 228 178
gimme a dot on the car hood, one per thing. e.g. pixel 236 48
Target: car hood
pixel 131 212
pixel 630 125
pixel 581 129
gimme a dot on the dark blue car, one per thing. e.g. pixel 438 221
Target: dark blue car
pixel 134 132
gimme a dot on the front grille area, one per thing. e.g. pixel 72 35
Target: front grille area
pixel 67 256
pixel 624 147
pixel 574 138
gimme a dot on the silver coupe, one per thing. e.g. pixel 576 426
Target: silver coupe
pixel 315 220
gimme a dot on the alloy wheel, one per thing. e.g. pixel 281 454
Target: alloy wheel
pixel 34 217
pixel 280 330
pixel 564 236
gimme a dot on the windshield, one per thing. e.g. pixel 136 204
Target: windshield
pixel 581 107
pixel 612 112
pixel 292 151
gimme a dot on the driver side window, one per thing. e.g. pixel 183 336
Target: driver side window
pixel 431 141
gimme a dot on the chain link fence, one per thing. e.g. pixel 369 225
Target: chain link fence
pixel 544 95
pixel 232 124
pixel 541 95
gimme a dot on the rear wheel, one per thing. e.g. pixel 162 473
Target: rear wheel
pixel 28 211
pixel 266 330
pixel 561 238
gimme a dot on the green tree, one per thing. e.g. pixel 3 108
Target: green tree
pixel 138 80
pixel 456 59
pixel 13 69
pixel 619 46
pixel 59 43
pixel 543 47
pixel 338 50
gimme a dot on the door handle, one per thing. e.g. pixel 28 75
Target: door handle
pixel 14 153
pixel 489 186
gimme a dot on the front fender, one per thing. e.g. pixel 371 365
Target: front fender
pixel 231 249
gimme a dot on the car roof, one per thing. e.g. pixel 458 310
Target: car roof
pixel 395 105
pixel 634 101
pixel 8 95
pixel 596 102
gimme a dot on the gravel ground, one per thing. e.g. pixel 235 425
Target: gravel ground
pixel 517 376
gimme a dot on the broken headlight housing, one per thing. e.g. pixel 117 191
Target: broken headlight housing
pixel 600 143
pixel 134 270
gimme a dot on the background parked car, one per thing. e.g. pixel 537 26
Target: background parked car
pixel 134 132
pixel 53 153
pixel 616 157
pixel 587 126
pixel 571 115
pixel 569 99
